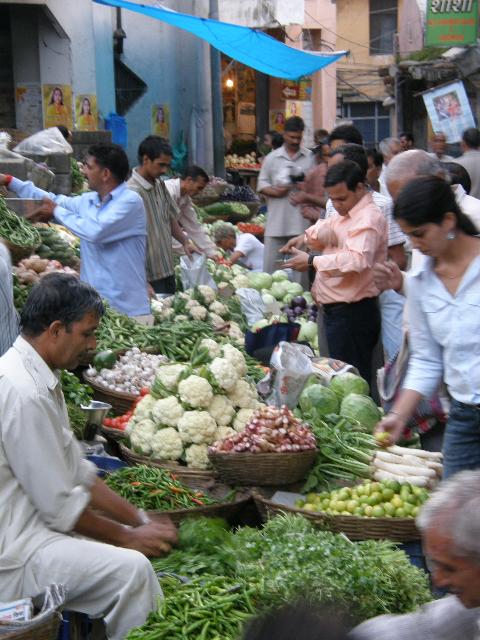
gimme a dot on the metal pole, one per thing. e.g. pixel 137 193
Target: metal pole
pixel 398 88
pixel 217 104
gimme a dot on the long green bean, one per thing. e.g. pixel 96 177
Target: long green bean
pixel 15 229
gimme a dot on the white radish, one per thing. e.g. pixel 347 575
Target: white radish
pixel 436 466
pixel 401 451
pixel 405 470
pixel 391 457
pixel 418 481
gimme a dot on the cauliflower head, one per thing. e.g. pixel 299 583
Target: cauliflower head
pixel 198 312
pixel 141 436
pixel 196 456
pixel 197 427
pixel 240 282
pixel 167 411
pixel 224 373
pixel 242 419
pixel 235 357
pixel 167 444
pixel 217 321
pixel 212 346
pixel 243 395
pixel 224 432
pixel 144 408
pixel 168 375
pixel 207 292
pixel 218 308
pixel 195 391
pixel 221 410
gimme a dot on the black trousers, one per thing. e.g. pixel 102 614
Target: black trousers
pixel 352 331
pixel 164 285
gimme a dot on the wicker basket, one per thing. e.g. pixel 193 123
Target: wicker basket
pixel 121 402
pixel 46 629
pixel 112 434
pixel 18 253
pixel 271 469
pixel 182 472
pixel 356 528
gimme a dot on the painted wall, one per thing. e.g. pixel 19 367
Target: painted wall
pixel 267 13
pixel 411 26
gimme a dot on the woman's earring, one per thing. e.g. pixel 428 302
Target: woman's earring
pixel 451 235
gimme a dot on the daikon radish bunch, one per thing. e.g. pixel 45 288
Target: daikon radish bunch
pixel 414 466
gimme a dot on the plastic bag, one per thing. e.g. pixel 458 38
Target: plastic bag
pixel 53 599
pixel 39 174
pixel 193 272
pixel 44 143
pixel 290 368
pixel 327 368
pixel 253 307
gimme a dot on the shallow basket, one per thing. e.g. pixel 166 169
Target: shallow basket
pixel 354 527
pixel 121 402
pixel 252 469
pixel 18 253
pixel 179 470
pixel 45 629
pixel 113 434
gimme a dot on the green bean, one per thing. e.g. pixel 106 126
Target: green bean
pixel 16 229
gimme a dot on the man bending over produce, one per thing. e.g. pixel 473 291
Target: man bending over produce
pixel 110 222
pixel 245 248
pixel 50 495
pixel 450 527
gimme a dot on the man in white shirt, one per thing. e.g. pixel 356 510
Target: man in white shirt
pixel 51 530
pixel 246 249
pixel 438 145
pixel 389 148
pixel 194 179
pixel 471 158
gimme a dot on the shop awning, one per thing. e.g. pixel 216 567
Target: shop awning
pixel 249 46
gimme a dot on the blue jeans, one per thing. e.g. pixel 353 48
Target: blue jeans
pixel 461 443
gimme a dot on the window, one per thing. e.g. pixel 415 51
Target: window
pixel 383 25
pixel 370 118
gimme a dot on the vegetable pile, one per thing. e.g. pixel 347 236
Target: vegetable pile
pixel 413 466
pixel 387 499
pixel 31 270
pixel 76 394
pixel 239 193
pixel 154 489
pixel 16 229
pixel 54 247
pixel 269 430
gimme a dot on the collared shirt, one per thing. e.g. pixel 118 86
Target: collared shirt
pixel 284 219
pixel 469 205
pixel 444 158
pixel 8 314
pixel 444 332
pixel 252 251
pixel 471 161
pixel 161 210
pixel 344 273
pixel 189 221
pixel 44 481
pixel 112 242
pixel 385 204
pixel 315 184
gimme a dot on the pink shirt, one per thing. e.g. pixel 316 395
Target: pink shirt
pixel 344 272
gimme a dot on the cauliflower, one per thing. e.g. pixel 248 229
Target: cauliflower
pixel 144 408
pixel 181 318
pixel 207 292
pixel 167 444
pixel 167 411
pixel 141 435
pixel 224 373
pixel 221 410
pixel 198 427
pixel 240 282
pixel 212 346
pixel 192 303
pixel 243 395
pixel 198 312
pixel 218 308
pixel 235 357
pixel 195 391
pixel 236 333
pixel 242 419
pixel 217 321
pixel 168 375
pixel 196 456
pixel 224 432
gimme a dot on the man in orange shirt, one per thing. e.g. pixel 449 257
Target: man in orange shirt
pixel 351 241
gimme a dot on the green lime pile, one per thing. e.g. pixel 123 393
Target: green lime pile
pixel 388 499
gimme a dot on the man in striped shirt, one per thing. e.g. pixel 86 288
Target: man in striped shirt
pixel 8 315
pixel 154 158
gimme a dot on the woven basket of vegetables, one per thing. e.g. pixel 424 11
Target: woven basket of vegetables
pixel 179 470
pixel 45 629
pixel 121 402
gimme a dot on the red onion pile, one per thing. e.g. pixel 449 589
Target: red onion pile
pixel 270 430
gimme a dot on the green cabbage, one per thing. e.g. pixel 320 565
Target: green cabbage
pixel 259 280
pixel 308 331
pixel 349 383
pixel 279 275
pixel 318 401
pixel 278 289
pixel 293 288
pixel 361 408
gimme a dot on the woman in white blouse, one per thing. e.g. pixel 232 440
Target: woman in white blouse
pixel 444 318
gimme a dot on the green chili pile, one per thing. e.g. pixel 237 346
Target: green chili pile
pixel 15 229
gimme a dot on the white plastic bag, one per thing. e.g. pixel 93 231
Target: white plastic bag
pixel 193 272
pixel 44 143
pixel 253 307
pixel 290 368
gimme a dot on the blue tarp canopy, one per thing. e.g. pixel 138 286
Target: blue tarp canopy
pixel 249 46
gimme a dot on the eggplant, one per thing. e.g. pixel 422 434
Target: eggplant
pixel 299 301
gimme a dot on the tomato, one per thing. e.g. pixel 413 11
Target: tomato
pixel 144 391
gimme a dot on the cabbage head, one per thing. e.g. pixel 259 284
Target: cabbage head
pixel 361 408
pixel 348 383
pixel 318 401
pixel 259 280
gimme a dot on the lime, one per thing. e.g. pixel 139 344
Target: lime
pixel 378 512
pixel 340 505
pixel 352 505
pixel 308 506
pixel 358 512
pixel 397 501
pixel 389 509
pixel 387 494
pixel 408 508
pixel 311 497
pixel 400 513
pixel 382 437
pixel 375 498
pixel 368 511
pixel 415 511
pixel 393 485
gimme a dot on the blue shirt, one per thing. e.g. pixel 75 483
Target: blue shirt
pixel 444 333
pixel 112 241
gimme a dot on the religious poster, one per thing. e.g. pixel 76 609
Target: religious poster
pixel 276 118
pixel 449 110
pixel 28 107
pixel 57 105
pixel 161 120
pixel 293 108
pixel 86 114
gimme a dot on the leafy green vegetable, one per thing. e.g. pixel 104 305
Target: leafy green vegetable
pixel 74 391
pixel 202 534
pixel 361 408
pixel 77 419
pixel 349 383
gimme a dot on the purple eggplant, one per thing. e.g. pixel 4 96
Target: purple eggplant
pixel 299 301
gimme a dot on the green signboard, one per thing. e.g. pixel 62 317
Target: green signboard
pixel 451 23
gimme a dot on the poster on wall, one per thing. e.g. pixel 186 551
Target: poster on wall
pixel 276 118
pixel 246 117
pixel 57 105
pixel 293 108
pixel 86 114
pixel 28 107
pixel 451 23
pixel 449 110
pixel 297 89
pixel 161 120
